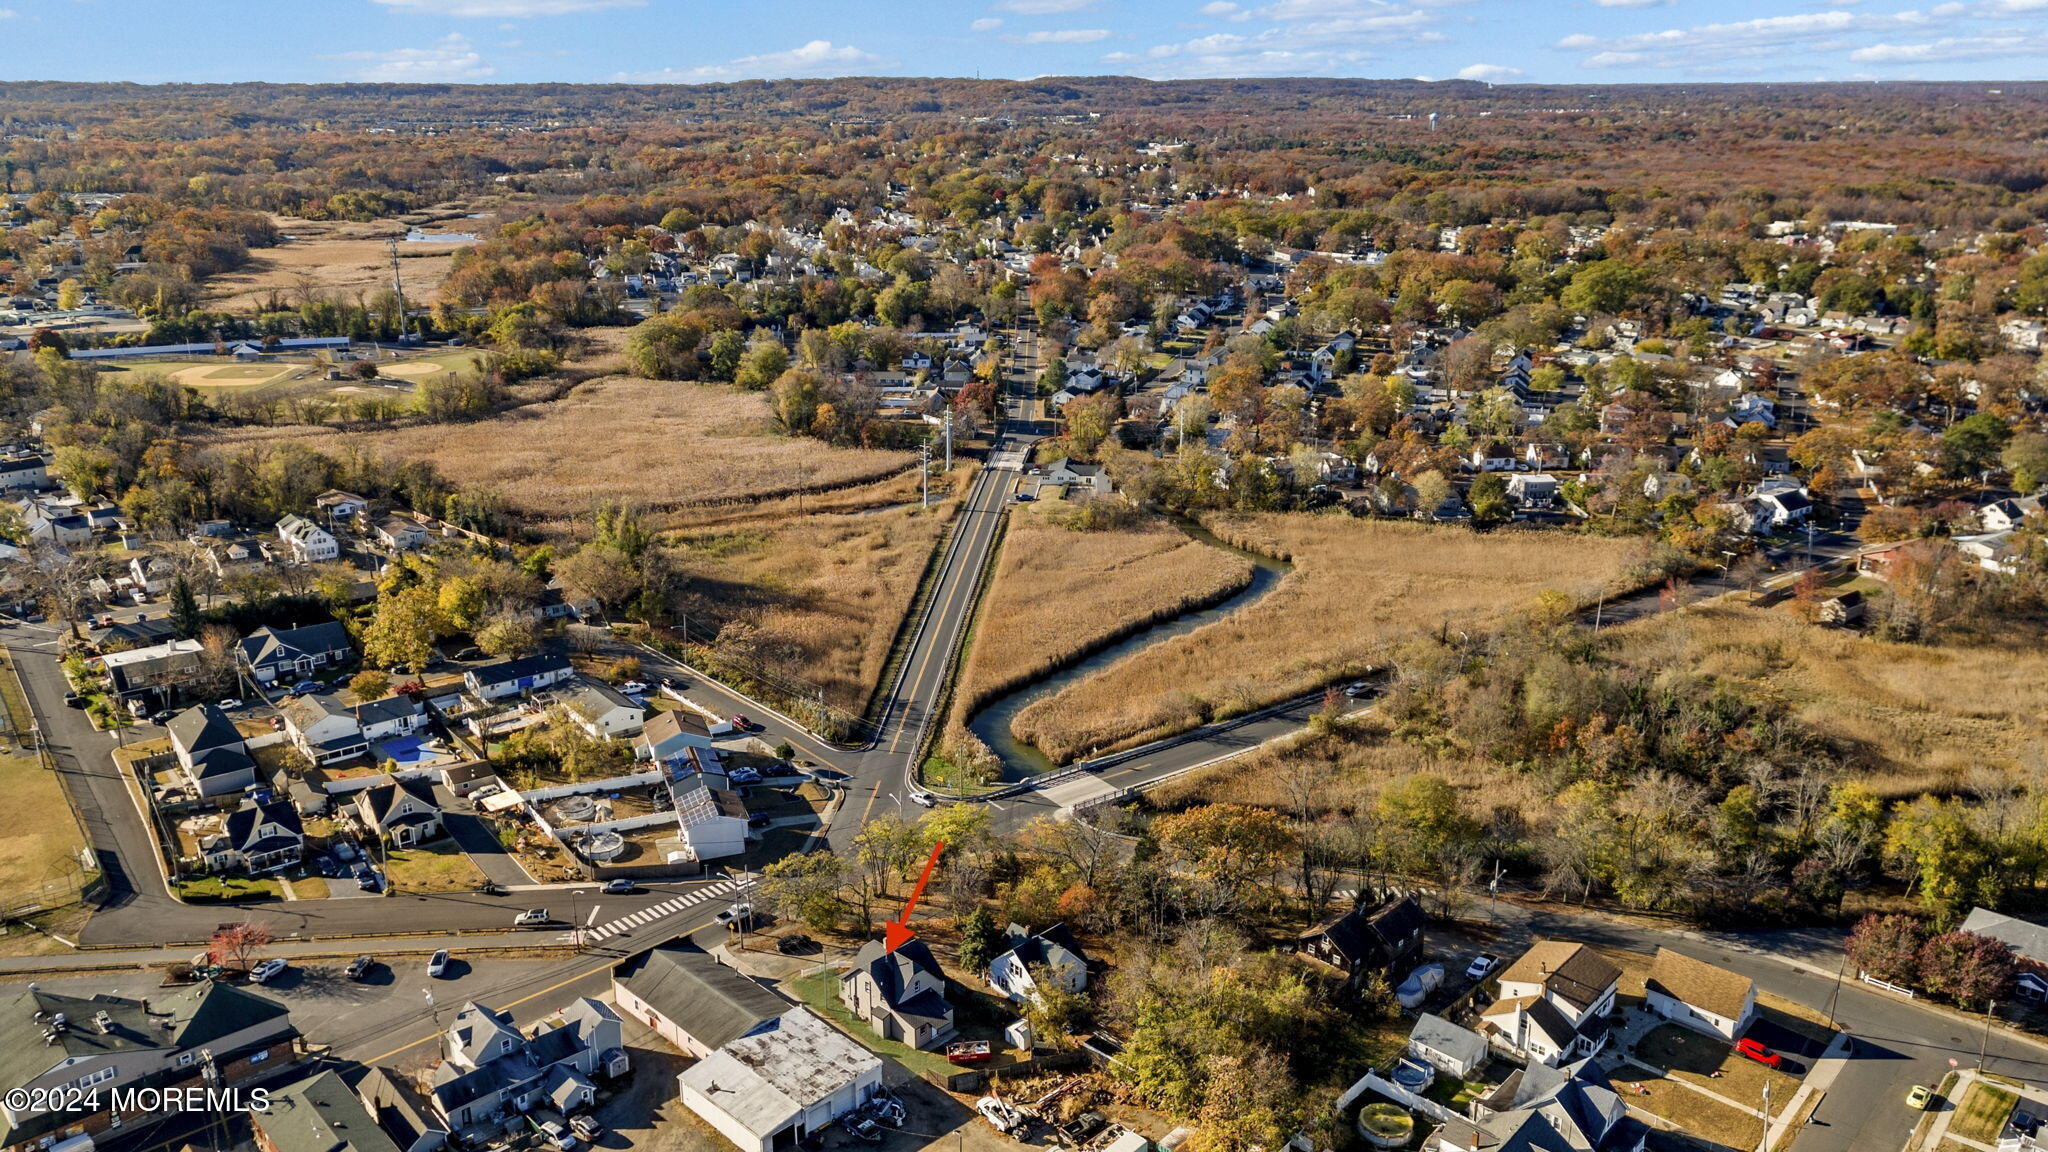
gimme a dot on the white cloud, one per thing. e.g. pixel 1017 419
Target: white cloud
pixel 817 58
pixel 1225 10
pixel 1685 47
pixel 1044 7
pixel 8 13
pixel 986 24
pixel 1950 48
pixel 451 61
pixel 508 9
pixel 1635 3
pixel 1064 36
pixel 1491 73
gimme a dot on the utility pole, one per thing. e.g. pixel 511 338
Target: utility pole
pixel 949 439
pixel 397 286
pixel 924 471
pixel 1990 1013
pixel 1841 970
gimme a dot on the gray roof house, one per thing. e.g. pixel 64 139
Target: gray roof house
pixel 212 751
pixel 1038 958
pixel 323 729
pixel 691 1000
pixel 489 1068
pixel 404 811
pixel 900 994
pixel 258 837
pixel 287 654
pixel 104 1044
pixel 2029 944
pixel 1545 1109
pixel 318 1114
pixel 1446 1046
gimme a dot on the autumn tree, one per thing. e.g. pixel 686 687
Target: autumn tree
pixel 233 946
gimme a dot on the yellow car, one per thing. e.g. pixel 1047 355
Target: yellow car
pixel 1917 1099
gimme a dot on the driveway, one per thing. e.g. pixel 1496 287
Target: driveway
pixel 474 838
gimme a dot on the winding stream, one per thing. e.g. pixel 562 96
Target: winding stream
pixel 992 722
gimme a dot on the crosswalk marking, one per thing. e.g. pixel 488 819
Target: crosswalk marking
pixel 658 912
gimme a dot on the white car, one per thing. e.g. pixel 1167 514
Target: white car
pixel 532 918
pixel 633 688
pixel 923 799
pixel 230 704
pixel 1482 964
pixel 267 971
pixel 735 913
pixel 437 964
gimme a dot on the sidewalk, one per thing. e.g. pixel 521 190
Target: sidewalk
pixel 71 963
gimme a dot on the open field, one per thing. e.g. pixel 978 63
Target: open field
pixel 437 867
pixel 1358 586
pixel 1921 716
pixel 39 853
pixel 334 257
pixel 821 596
pixel 1059 594
pixel 666 446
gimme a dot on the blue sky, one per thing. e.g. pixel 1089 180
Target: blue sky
pixel 688 41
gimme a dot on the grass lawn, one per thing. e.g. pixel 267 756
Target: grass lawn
pixel 441 867
pixel 820 990
pixel 1694 1057
pixel 1699 1115
pixel 311 888
pixel 226 888
pixel 41 854
pixel 1981 1113
pixel 1454 1093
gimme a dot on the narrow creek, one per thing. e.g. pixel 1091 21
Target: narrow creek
pixel 992 722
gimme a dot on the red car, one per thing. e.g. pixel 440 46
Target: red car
pixel 1756 1051
pixel 742 723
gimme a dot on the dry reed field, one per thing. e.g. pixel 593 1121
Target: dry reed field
pixel 1059 594
pixel 337 257
pixel 1923 716
pixel 667 447
pixel 1358 586
pixel 824 594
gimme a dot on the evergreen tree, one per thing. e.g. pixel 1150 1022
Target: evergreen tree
pixel 184 609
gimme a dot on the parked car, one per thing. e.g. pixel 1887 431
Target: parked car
pixel 162 716
pixel 1755 1050
pixel 557 1137
pixel 532 918
pixel 1024 497
pixel 1917 1099
pixel 861 1128
pixel 490 888
pixel 230 704
pixel 742 723
pixel 73 700
pixel 367 880
pixel 1482 965
pixel 619 887
pixel 267 971
pixel 586 1127
pixel 633 687
pixel 359 968
pixel 305 686
pixel 437 964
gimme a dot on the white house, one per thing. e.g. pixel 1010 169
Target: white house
pixel 772 1089
pixel 602 711
pixel 1036 960
pixel 1554 1003
pixel 323 729
pixel 510 677
pixel 1533 489
pixel 307 542
pixel 392 716
pixel 1446 1046
pixel 404 811
pixel 1699 995
pixel 669 734
pixel 713 820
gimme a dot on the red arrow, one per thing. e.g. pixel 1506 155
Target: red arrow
pixel 896 933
